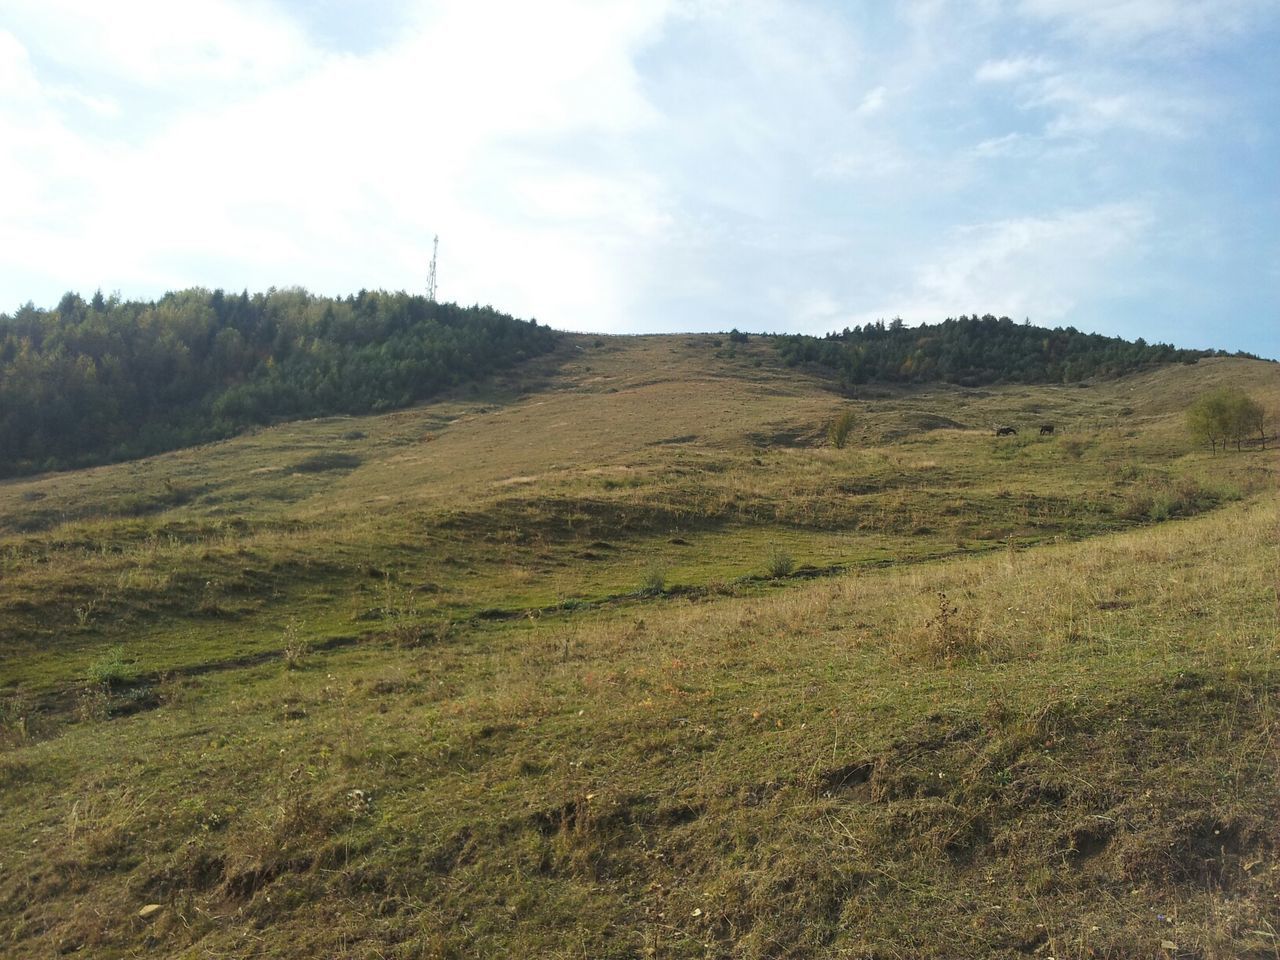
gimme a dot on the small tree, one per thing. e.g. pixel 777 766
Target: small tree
pixel 1225 414
pixel 1247 416
pixel 839 430
pixel 1205 419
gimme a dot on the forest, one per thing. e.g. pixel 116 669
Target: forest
pixel 977 351
pixel 109 379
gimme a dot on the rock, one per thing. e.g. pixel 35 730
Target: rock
pixel 149 911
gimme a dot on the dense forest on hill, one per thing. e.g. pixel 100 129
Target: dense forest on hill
pixel 111 379
pixel 972 351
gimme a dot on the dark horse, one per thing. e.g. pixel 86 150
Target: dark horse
pixel 1006 432
pixel 1046 430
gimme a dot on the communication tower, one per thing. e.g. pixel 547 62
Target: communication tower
pixel 431 276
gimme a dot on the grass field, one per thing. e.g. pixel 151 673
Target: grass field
pixel 619 658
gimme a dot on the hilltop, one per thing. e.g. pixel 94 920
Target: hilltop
pixel 107 379
pixel 610 653
pixel 110 379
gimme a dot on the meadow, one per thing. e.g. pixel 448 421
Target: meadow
pixel 617 656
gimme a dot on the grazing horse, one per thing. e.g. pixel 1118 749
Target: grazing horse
pixel 1006 432
pixel 1046 430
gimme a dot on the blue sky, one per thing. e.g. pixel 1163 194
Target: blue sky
pixel 660 164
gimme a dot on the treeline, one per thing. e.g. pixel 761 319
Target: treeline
pixel 973 351
pixel 110 379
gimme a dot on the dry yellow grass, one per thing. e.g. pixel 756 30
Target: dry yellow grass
pixel 489 740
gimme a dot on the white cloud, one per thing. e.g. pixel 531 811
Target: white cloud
pixel 1168 25
pixel 1009 145
pixel 1012 69
pixel 1040 267
pixel 872 103
pixel 876 159
pixel 156 42
pixel 1085 103
pixel 337 174
pixel 604 164
pixel 1087 106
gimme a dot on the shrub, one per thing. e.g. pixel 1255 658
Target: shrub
pixel 839 430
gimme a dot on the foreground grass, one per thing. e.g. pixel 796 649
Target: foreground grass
pixel 1074 754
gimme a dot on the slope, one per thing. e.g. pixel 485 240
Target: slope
pixel 525 671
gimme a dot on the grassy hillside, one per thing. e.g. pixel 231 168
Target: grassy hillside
pixel 618 658
pixel 111 379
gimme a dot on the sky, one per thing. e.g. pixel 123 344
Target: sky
pixel 634 166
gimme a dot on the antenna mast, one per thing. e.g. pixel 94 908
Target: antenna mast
pixel 431 276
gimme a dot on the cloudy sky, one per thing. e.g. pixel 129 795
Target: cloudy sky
pixel 645 165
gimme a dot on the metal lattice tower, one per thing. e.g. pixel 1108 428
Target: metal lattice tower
pixel 431 277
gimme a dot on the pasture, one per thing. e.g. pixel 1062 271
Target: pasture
pixel 618 657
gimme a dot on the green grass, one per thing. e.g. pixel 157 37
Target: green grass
pixel 525 672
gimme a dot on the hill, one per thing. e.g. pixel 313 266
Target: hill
pixel 615 656
pixel 975 351
pixel 112 380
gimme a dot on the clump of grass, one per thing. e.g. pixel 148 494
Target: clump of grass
pixel 1163 501
pixel 839 429
pixel 406 633
pixel 1128 473
pixel 112 670
pixel 654 582
pixel 14 727
pixel 296 646
pixel 320 462
pixel 779 564
pixel 1074 447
